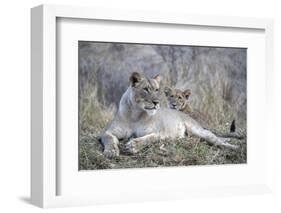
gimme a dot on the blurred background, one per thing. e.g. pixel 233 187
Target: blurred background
pixel 216 77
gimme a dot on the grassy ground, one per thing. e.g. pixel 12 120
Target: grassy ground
pixel 183 152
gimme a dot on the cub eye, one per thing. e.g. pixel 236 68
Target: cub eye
pixel 156 90
pixel 171 96
pixel 180 97
pixel 146 89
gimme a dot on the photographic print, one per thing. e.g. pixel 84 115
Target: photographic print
pixel 155 105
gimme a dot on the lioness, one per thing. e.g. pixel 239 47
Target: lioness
pixel 140 120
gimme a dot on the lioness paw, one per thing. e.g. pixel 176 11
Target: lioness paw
pixel 225 143
pixel 111 151
pixel 132 146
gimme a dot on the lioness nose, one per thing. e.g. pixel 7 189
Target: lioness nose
pixel 155 102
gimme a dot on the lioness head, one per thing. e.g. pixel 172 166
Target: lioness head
pixel 177 99
pixel 145 92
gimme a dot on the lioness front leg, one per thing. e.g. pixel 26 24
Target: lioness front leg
pixel 110 144
pixel 137 144
pixel 212 138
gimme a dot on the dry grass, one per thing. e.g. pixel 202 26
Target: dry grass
pixel 182 152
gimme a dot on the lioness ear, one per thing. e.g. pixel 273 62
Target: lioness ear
pixel 167 91
pixel 158 78
pixel 135 78
pixel 187 93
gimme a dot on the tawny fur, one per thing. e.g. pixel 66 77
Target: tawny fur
pixel 140 120
pixel 178 100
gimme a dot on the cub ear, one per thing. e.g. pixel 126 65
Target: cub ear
pixel 187 93
pixel 135 78
pixel 167 91
pixel 158 78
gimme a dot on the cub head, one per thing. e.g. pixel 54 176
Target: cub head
pixel 177 99
pixel 145 92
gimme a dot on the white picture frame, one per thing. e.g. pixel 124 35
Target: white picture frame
pixel 44 149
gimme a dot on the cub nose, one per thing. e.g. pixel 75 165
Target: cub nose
pixel 155 102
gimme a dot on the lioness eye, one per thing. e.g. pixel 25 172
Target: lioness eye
pixel 180 97
pixel 157 90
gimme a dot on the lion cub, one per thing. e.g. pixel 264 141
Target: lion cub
pixel 178 100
